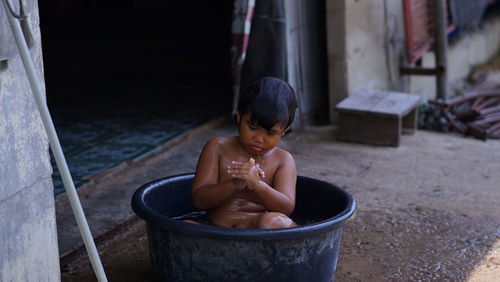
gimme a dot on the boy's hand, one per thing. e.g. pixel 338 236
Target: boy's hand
pixel 247 171
pixel 262 174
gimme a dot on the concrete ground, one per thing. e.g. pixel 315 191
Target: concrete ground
pixel 428 210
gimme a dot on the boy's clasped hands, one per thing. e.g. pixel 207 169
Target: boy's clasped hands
pixel 247 174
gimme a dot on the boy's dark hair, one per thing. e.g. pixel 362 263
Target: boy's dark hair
pixel 270 101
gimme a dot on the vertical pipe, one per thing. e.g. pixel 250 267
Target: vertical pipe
pixel 54 144
pixel 440 49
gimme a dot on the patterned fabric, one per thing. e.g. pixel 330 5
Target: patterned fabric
pixel 241 26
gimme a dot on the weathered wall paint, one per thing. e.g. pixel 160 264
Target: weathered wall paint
pixel 365 53
pixel 8 48
pixel 28 236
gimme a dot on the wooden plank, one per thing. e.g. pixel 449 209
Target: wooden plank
pixel 361 101
pixel 373 102
pixel 398 104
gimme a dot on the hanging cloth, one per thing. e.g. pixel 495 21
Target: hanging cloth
pixel 240 33
pixel 266 54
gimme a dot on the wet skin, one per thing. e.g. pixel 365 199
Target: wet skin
pixel 246 181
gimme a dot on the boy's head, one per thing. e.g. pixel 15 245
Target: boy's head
pixel 269 101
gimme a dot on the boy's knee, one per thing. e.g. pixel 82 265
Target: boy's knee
pixel 274 220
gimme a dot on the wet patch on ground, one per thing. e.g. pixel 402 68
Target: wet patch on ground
pixel 414 244
pixel 408 245
pixel 125 257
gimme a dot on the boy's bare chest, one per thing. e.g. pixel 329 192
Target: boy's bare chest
pixel 269 167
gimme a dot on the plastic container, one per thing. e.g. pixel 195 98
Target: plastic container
pixel 182 251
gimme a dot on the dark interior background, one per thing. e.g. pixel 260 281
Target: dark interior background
pixel 136 53
pixel 124 77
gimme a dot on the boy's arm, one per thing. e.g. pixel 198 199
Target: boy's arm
pixel 207 192
pixel 281 197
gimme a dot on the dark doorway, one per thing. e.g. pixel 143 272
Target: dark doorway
pixel 123 77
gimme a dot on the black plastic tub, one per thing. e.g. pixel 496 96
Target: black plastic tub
pixel 183 251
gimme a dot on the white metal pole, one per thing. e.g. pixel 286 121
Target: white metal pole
pixel 55 145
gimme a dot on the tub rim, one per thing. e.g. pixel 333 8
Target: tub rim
pixel 166 222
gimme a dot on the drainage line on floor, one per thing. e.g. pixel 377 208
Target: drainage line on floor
pixel 54 143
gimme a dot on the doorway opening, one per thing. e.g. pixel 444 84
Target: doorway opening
pixel 124 77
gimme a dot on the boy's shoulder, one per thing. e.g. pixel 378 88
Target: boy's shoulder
pixel 283 154
pixel 218 142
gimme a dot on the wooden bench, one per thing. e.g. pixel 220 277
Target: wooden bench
pixel 377 117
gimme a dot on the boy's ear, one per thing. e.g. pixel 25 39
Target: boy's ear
pixel 237 116
pixel 286 130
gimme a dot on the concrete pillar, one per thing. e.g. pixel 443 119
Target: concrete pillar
pixel 365 43
pixel 336 52
pixel 307 70
pixel 28 238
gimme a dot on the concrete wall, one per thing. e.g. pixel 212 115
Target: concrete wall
pixel 28 239
pixel 366 48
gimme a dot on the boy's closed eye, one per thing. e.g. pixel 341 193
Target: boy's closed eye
pixel 252 126
pixel 271 132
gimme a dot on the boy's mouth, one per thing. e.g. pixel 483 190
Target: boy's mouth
pixel 256 149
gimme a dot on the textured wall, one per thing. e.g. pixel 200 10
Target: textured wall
pixel 28 240
pixel 365 38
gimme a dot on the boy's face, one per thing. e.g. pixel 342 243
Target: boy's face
pixel 255 139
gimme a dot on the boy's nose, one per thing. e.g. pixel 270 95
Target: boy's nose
pixel 257 138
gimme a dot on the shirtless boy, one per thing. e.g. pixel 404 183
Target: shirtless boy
pixel 246 181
